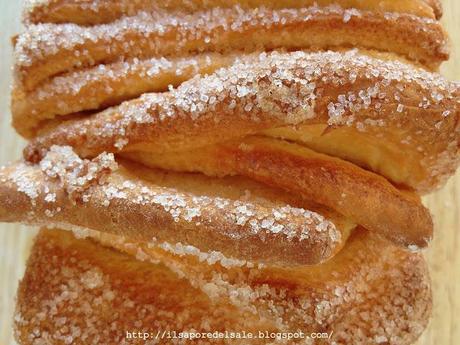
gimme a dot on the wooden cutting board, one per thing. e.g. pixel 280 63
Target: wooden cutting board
pixel 443 255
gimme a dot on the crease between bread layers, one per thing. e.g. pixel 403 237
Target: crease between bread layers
pixel 265 159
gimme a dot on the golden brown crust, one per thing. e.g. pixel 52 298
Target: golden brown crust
pixel 102 86
pixel 77 11
pixel 364 197
pixel 396 107
pixel 279 134
pixel 371 292
pixel 100 295
pixel 98 87
pixel 238 218
pixel 46 50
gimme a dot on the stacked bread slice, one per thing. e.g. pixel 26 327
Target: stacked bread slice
pixel 228 168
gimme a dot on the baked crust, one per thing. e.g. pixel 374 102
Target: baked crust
pixel 293 150
pixel 77 11
pixel 97 88
pixel 365 198
pixel 46 50
pixel 105 85
pixel 371 292
pixel 436 5
pixel 395 107
pixel 240 218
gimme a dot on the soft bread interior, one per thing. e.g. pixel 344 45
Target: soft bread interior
pixel 382 151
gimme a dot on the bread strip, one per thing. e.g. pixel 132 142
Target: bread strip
pixel 364 197
pixel 103 86
pixel 104 11
pixel 389 103
pixel 46 50
pixel 96 88
pixel 143 205
pixel 370 292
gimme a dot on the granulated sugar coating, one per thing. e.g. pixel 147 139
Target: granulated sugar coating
pixel 45 50
pixel 97 12
pixel 389 292
pixel 68 191
pixel 276 90
pixel 240 165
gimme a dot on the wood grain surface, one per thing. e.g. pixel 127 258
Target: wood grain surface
pixel 443 255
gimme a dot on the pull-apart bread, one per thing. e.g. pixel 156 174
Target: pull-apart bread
pixel 68 68
pixel 229 165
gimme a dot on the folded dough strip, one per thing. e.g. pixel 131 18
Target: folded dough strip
pixel 45 50
pixel 370 292
pixel 64 189
pixel 391 102
pixel 98 87
pixel 105 11
pixel 366 198
pixel 105 85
